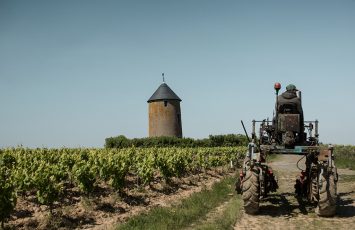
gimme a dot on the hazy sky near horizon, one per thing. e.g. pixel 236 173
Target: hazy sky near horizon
pixel 75 72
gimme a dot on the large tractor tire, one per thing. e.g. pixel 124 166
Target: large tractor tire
pixel 251 190
pixel 327 196
pixel 315 194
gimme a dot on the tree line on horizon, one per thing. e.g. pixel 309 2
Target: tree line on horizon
pixel 226 140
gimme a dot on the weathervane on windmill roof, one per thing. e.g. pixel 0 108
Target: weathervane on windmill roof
pixel 163 77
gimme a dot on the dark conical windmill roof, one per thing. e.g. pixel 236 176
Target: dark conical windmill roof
pixel 163 93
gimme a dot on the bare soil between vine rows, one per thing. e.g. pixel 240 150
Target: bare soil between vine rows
pixel 106 208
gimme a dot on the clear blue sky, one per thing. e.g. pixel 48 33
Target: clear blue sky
pixel 75 72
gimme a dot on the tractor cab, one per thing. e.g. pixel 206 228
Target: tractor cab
pixel 287 132
pixel 288 121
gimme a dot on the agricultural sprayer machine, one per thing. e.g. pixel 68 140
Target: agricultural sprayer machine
pixel 288 133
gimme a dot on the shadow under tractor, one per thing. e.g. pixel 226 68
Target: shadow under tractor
pixel 285 134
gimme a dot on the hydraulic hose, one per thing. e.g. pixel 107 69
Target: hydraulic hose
pixel 298 162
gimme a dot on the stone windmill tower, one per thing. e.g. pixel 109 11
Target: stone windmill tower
pixel 164 113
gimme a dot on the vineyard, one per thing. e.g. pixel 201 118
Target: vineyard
pixel 47 176
pixel 345 156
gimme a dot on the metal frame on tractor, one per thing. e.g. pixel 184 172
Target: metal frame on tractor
pixel 317 183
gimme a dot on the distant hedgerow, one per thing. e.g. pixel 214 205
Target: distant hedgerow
pixel 212 141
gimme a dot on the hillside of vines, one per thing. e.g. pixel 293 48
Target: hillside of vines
pixel 55 178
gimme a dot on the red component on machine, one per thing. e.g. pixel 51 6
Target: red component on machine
pixel 241 176
pixel 302 176
pixel 277 86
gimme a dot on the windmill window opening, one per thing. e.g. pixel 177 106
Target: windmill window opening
pixel 165 103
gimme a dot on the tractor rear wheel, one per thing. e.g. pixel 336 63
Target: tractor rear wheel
pixel 327 195
pixel 251 188
pixel 315 194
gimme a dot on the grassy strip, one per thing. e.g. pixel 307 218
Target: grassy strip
pixel 346 178
pixel 227 218
pixel 345 156
pixel 272 157
pixel 344 163
pixel 182 215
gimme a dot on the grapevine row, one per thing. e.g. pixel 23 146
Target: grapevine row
pixel 48 172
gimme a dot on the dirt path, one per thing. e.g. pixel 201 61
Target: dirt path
pixel 281 210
